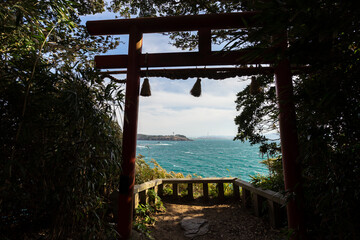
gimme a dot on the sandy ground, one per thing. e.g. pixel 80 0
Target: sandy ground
pixel 227 222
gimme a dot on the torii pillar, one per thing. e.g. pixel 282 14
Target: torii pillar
pixel 127 178
pixel 289 144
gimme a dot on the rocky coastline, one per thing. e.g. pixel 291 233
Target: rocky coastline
pixel 176 137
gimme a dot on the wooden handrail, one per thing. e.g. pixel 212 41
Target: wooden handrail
pixel 199 180
pixel 268 194
pixel 251 196
pixel 147 185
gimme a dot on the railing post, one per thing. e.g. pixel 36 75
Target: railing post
pixel 144 197
pixel 206 191
pixel 161 190
pixel 236 191
pixel 245 197
pixel 221 191
pixel 175 190
pixel 136 200
pixel 190 191
pixel 156 190
pixel 275 214
pixel 257 204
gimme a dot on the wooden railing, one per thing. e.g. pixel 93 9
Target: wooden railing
pixel 261 201
pixel 257 198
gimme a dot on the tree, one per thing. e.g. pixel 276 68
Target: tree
pixel 60 146
pixel 324 35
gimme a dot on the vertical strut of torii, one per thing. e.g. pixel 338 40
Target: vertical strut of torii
pixel 205 57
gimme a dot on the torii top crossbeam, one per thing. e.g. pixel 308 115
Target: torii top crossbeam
pixel 135 60
pixel 201 23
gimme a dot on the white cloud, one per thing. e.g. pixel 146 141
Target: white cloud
pixel 191 122
pixel 157 43
pixel 175 110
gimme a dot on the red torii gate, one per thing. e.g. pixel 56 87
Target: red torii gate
pixel 135 60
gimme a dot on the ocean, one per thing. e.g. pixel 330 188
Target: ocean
pixel 205 157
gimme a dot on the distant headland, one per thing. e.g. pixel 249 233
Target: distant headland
pixel 176 137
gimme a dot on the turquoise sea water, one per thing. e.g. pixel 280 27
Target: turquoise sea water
pixel 205 157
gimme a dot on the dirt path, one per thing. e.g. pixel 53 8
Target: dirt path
pixel 227 222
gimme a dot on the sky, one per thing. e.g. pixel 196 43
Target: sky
pixel 171 109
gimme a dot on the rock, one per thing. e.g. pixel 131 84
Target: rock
pixel 194 226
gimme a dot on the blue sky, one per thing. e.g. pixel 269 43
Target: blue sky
pixel 171 108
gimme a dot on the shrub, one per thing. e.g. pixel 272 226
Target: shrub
pixel 59 172
pixel 144 213
pixel 274 181
pixel 144 172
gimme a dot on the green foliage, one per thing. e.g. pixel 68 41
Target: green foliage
pixel 324 35
pixel 67 152
pixel 275 180
pixel 183 40
pixel 170 8
pixel 144 218
pixel 213 190
pixel 144 172
pixel 155 201
pixel 257 111
pixel 167 190
pixel 60 148
pixel 228 189
pixel 198 190
pixel 144 213
pixel 183 190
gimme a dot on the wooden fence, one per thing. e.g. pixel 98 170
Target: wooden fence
pixel 261 201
